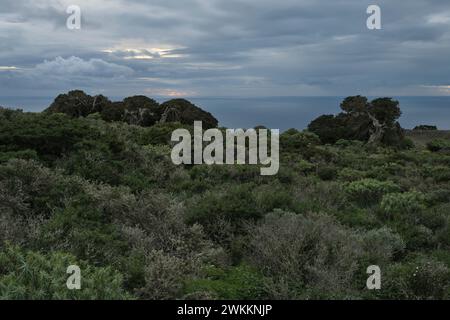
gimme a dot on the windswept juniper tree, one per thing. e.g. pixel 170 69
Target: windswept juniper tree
pixel 137 110
pixel 373 122
pixel 76 104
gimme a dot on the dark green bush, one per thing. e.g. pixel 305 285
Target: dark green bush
pixel 326 173
pixel 84 232
pixel 438 145
pixel 49 135
pixel 237 283
pixel 425 128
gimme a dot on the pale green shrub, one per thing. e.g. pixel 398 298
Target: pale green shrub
pixel 369 191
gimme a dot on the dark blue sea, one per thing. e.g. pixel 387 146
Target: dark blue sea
pixel 283 112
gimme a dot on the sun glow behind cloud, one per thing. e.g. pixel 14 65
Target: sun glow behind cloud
pixel 8 68
pixel 170 92
pixel 443 89
pixel 145 53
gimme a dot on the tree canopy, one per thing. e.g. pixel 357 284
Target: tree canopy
pixel 137 110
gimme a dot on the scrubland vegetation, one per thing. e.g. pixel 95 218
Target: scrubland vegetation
pixel 100 192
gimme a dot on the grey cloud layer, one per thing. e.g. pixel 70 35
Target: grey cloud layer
pixel 226 47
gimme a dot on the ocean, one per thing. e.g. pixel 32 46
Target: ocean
pixel 282 112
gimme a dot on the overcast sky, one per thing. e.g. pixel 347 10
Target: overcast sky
pixel 225 48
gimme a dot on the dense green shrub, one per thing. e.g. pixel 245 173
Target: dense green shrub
pixel 160 133
pixel 326 173
pixel 313 195
pixel 237 283
pixel 29 189
pixel 357 217
pixel 438 145
pixel 273 196
pixel 369 191
pixel 235 202
pixel 443 234
pixel 351 144
pixel 423 278
pixel 50 136
pixel 441 174
pixel 296 141
pixel 417 237
pixel 21 154
pixel 85 232
pixel 400 204
pixel 32 275
pixel 406 144
pixel 349 174
pixel 305 166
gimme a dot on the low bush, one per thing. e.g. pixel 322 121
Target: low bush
pixel 438 145
pixel 369 191
pixel 402 204
pixel 304 256
pixel 327 173
pixel 237 283
pixel 28 275
pixel 421 279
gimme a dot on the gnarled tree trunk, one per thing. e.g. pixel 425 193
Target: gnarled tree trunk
pixel 377 135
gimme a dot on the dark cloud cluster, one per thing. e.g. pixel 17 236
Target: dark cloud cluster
pixel 225 47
